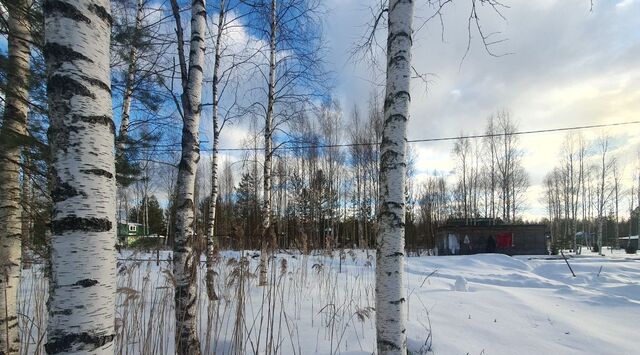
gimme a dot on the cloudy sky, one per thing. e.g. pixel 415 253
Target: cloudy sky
pixel 564 65
pixel 561 64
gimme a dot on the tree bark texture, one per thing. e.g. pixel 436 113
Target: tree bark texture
pixel 14 126
pixel 268 149
pixel 391 307
pixel 82 284
pixel 185 261
pixel 127 96
pixel 212 241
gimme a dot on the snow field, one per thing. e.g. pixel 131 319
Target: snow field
pixel 324 304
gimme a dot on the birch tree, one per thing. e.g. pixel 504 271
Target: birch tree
pixel 491 144
pixel 185 262
pixel 14 125
pixel 433 203
pixel 603 190
pixel 220 82
pixel 291 74
pixel 268 144
pixel 82 282
pixel 139 67
pixel 616 200
pixel 466 154
pixel 391 310
pixel 127 96
pixel 213 197
pixel 638 192
pixel 329 119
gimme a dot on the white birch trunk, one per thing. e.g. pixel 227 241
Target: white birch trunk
pixel 125 120
pixel 185 262
pixel 212 241
pixel 391 308
pixel 601 194
pixel 27 201
pixel 14 125
pixel 82 284
pixel 268 153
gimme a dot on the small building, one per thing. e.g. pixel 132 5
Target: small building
pixel 510 239
pixel 128 232
pixel 585 238
pixel 631 241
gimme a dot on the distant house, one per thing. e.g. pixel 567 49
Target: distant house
pixel 631 241
pixel 511 239
pixel 129 232
pixel 585 238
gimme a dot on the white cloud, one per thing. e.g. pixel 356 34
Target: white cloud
pixel 625 4
pixel 568 67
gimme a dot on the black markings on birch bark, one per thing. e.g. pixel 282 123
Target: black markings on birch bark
pixel 74 342
pixel 390 290
pixel 81 137
pixel 184 266
pixel 66 87
pixel 12 134
pixel 384 345
pixel 102 13
pixel 64 191
pixel 86 283
pixel 58 53
pixel 100 119
pixel 65 9
pixel 73 224
pixel 98 172
pixel 187 203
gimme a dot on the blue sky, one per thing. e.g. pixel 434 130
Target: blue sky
pixel 566 66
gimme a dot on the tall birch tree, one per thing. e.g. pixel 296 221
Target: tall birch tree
pixel 219 84
pixel 82 282
pixel 268 144
pixel 603 190
pixel 291 74
pixel 127 96
pixel 14 126
pixel 185 262
pixel 391 308
pixel 213 197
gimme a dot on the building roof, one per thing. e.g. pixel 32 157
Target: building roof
pixel 633 237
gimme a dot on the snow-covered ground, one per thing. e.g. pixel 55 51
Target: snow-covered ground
pixel 480 304
pixel 531 306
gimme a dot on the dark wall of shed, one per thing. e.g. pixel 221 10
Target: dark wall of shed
pixel 527 239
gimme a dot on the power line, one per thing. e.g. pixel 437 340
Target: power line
pixel 292 146
pixel 520 133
